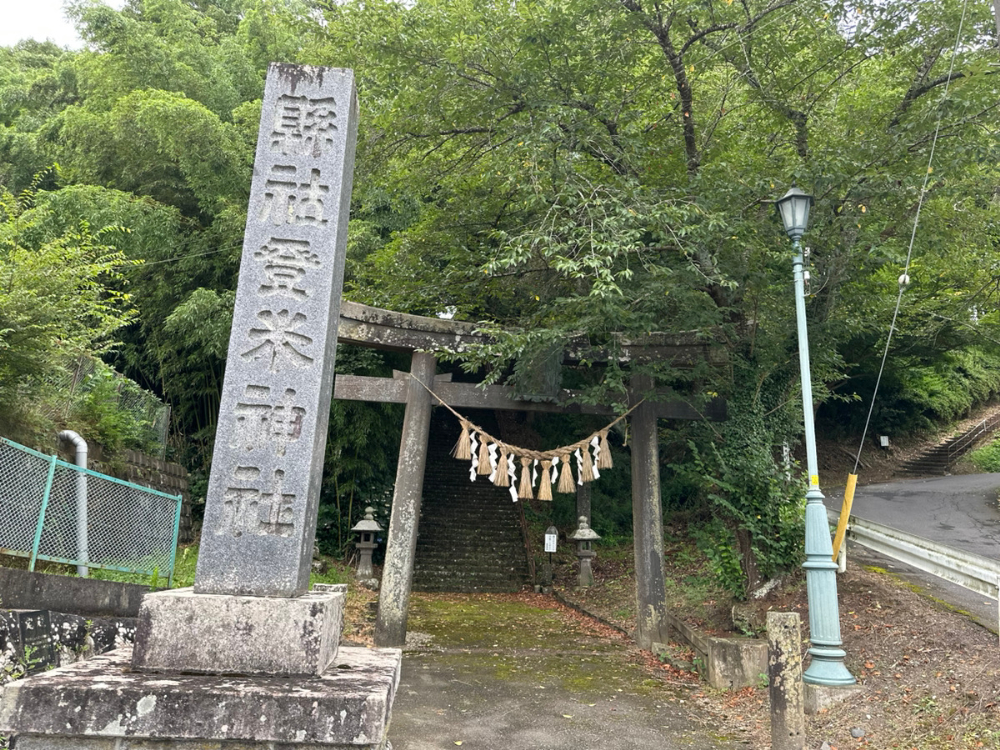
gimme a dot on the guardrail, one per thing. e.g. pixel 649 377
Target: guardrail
pixel 973 572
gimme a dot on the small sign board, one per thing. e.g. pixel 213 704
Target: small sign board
pixel 551 536
pixel 31 636
pixel 883 441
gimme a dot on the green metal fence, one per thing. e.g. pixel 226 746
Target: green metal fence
pixel 52 510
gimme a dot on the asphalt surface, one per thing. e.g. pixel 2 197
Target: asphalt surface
pixel 959 511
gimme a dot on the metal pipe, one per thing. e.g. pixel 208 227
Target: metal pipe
pixel 82 547
pixel 827 665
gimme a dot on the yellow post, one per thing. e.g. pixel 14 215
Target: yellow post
pixel 845 513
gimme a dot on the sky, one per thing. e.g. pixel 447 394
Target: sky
pixel 38 19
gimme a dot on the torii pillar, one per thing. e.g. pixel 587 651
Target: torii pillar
pixel 401 547
pixel 647 522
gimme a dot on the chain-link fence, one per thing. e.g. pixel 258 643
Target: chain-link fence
pixel 52 510
pixel 150 416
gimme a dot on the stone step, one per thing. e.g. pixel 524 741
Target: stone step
pixel 470 532
pixel 460 560
pixel 435 577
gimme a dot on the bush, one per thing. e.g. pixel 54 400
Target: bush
pixel 987 458
pixel 759 506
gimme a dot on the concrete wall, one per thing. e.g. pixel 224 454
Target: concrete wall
pixel 87 597
pixel 728 663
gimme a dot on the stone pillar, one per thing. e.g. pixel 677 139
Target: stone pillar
pixel 397 571
pixel 785 688
pixel 263 492
pixel 647 523
pixel 583 501
pixel 202 671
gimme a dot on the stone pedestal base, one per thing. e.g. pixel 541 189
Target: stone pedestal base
pixel 74 743
pixel 820 697
pixel 180 631
pixel 101 705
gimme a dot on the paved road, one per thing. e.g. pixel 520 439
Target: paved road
pixel 960 511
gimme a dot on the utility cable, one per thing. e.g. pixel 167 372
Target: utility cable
pixel 905 278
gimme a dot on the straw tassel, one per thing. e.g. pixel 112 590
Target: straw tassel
pixel 545 486
pixel 566 483
pixel 604 459
pixel 463 450
pixel 484 469
pixel 502 479
pixel 587 472
pixel 524 491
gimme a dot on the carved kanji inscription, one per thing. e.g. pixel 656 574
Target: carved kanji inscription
pixel 262 423
pixel 263 494
pixel 303 126
pixel 293 199
pixel 281 346
pixel 249 510
pixel 285 264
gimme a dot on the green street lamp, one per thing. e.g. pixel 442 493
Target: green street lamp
pixel 827 665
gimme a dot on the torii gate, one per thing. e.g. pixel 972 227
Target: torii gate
pixel 384 329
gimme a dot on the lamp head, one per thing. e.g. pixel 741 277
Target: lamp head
pixel 793 208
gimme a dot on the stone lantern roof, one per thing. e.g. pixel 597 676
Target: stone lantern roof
pixel 584 533
pixel 368 523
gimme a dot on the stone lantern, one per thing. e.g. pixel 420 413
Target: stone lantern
pixel 583 537
pixel 366 528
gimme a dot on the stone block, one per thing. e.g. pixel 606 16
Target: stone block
pixel 180 631
pixel 26 635
pixel 818 698
pixel 729 663
pixel 101 701
pixel 736 662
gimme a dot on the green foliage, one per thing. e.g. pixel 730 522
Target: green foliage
pixel 573 170
pixel 717 542
pixel 59 297
pixel 987 458
pixel 932 389
pixel 759 507
pixel 96 410
pixel 361 452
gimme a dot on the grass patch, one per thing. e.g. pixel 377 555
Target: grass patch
pixel 987 458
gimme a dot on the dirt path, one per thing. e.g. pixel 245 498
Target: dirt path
pixel 521 672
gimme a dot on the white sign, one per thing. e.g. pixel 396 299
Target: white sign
pixel 551 535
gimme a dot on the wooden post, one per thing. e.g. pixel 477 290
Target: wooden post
pixel 784 673
pixel 647 523
pixel 397 573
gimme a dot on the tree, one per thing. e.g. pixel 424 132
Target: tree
pixel 59 297
pixel 594 166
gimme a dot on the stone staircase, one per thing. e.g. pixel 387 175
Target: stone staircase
pixel 940 458
pixel 470 537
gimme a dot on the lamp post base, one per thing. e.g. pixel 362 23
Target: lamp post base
pixel 827 668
